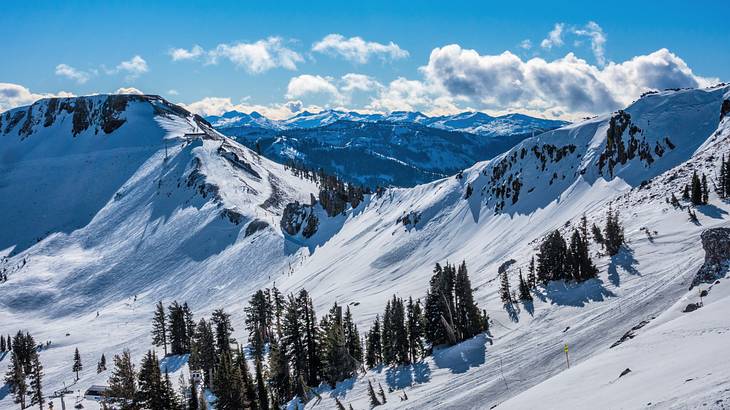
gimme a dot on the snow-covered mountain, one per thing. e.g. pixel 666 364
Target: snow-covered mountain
pixel 163 207
pixel 473 122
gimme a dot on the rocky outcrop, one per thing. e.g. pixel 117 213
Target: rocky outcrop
pixel 716 243
pixel 725 109
pixel 299 217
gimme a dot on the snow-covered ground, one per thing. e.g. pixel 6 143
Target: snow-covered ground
pixel 156 238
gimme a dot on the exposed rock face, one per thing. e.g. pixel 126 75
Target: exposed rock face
pixel 299 217
pixel 725 109
pixel 255 226
pixel 716 243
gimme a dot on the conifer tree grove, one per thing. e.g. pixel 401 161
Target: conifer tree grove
pixel 614 232
pixel 122 390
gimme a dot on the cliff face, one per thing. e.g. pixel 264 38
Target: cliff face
pixel 716 243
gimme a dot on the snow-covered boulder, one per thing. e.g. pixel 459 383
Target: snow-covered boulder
pixel 716 243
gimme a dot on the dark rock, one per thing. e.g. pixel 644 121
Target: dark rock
pixel 81 120
pixel 625 372
pixel 255 226
pixel 716 243
pixel 296 216
pixel 725 109
pixel 691 307
pixel 232 215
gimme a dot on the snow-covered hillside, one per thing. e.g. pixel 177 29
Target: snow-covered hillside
pixel 171 216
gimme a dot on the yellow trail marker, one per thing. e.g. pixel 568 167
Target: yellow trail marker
pixel 567 360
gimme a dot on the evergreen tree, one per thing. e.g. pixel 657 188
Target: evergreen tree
pixel 177 329
pixel 293 344
pixel 150 384
pixel 2 343
pixel 15 379
pixel 193 402
pixel 77 366
pixel 223 329
pixel 374 402
pixel 122 390
pixel 439 307
pixel 159 327
pixel 467 317
pixel 524 289
pixel 597 235
pixel 696 190
pixel 374 350
pixel 504 291
pixel 414 323
pixel 261 392
pixel 189 327
pixel 203 355
pixel 278 302
pixel 247 383
pixel 101 365
pixel 259 317
pixel 578 261
pixel 227 386
pixel 279 376
pixel 314 367
pixel 169 397
pixel 36 381
pixel 9 343
pixel 352 338
pixel 705 190
pixel 685 193
pixel 531 278
pixel 337 363
pixel 614 232
pixel 552 258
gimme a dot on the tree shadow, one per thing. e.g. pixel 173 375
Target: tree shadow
pixel 173 363
pixel 576 294
pixel 463 356
pixel 342 387
pixel 514 315
pixel 626 261
pixel 529 307
pixel 711 211
pixel 399 377
pixel 4 391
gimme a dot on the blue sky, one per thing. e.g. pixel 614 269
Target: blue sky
pixel 380 56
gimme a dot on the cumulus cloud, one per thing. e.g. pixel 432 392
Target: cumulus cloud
pixel 128 90
pixel 258 57
pixel 598 40
pixel 357 50
pixel 307 84
pixel 526 44
pixel 359 82
pixel 14 95
pixel 220 105
pixel 133 67
pixel 65 70
pixel 178 54
pixel 554 38
pixel 567 84
pixel 172 92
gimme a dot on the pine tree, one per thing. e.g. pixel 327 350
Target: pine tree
pixel 227 386
pixel 374 350
pixel 122 389
pixel 177 329
pixel 279 376
pixel 169 397
pixel 15 379
pixel 415 330
pixel 696 190
pixel 77 366
pixel 2 343
pixel 382 393
pixel 101 366
pixel 150 391
pixel 189 327
pixel 261 392
pixel 531 278
pixel 259 316
pixel 524 289
pixel 352 338
pixel 614 232
pixel 552 258
pixel 9 343
pixel 467 317
pixel 293 342
pixel 597 235
pixel 248 390
pixel 203 354
pixel 314 367
pixel 439 310
pixel 578 261
pixel 374 402
pixel 223 329
pixel 159 327
pixel 685 193
pixel 337 363
pixel 36 380
pixel 193 403
pixel 705 190
pixel 504 290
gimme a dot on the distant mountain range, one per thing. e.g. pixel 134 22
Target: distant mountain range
pixel 401 148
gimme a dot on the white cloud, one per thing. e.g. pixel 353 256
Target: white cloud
pixel 359 82
pixel 128 90
pixel 178 54
pixel 172 92
pixel 568 84
pixel 71 73
pixel 357 50
pixel 554 38
pixel 14 95
pixel 134 67
pixel 220 105
pixel 526 44
pixel 257 57
pixel 307 84
pixel 598 40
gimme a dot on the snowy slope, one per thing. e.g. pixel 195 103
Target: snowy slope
pixel 158 240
